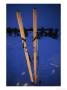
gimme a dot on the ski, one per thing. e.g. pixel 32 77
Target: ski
pixel 35 43
pixel 18 14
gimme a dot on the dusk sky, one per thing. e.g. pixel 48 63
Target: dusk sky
pixel 48 15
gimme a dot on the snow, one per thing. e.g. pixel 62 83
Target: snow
pixel 48 61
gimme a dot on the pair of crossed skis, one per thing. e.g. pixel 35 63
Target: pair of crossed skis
pixel 18 14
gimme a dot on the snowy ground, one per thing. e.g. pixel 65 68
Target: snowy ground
pixel 48 61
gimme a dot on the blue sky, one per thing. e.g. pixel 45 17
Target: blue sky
pixel 48 15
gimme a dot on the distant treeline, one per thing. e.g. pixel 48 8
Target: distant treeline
pixel 41 32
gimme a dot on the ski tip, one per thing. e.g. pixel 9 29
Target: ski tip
pixel 18 12
pixel 34 8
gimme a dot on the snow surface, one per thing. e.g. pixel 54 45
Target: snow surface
pixel 48 61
